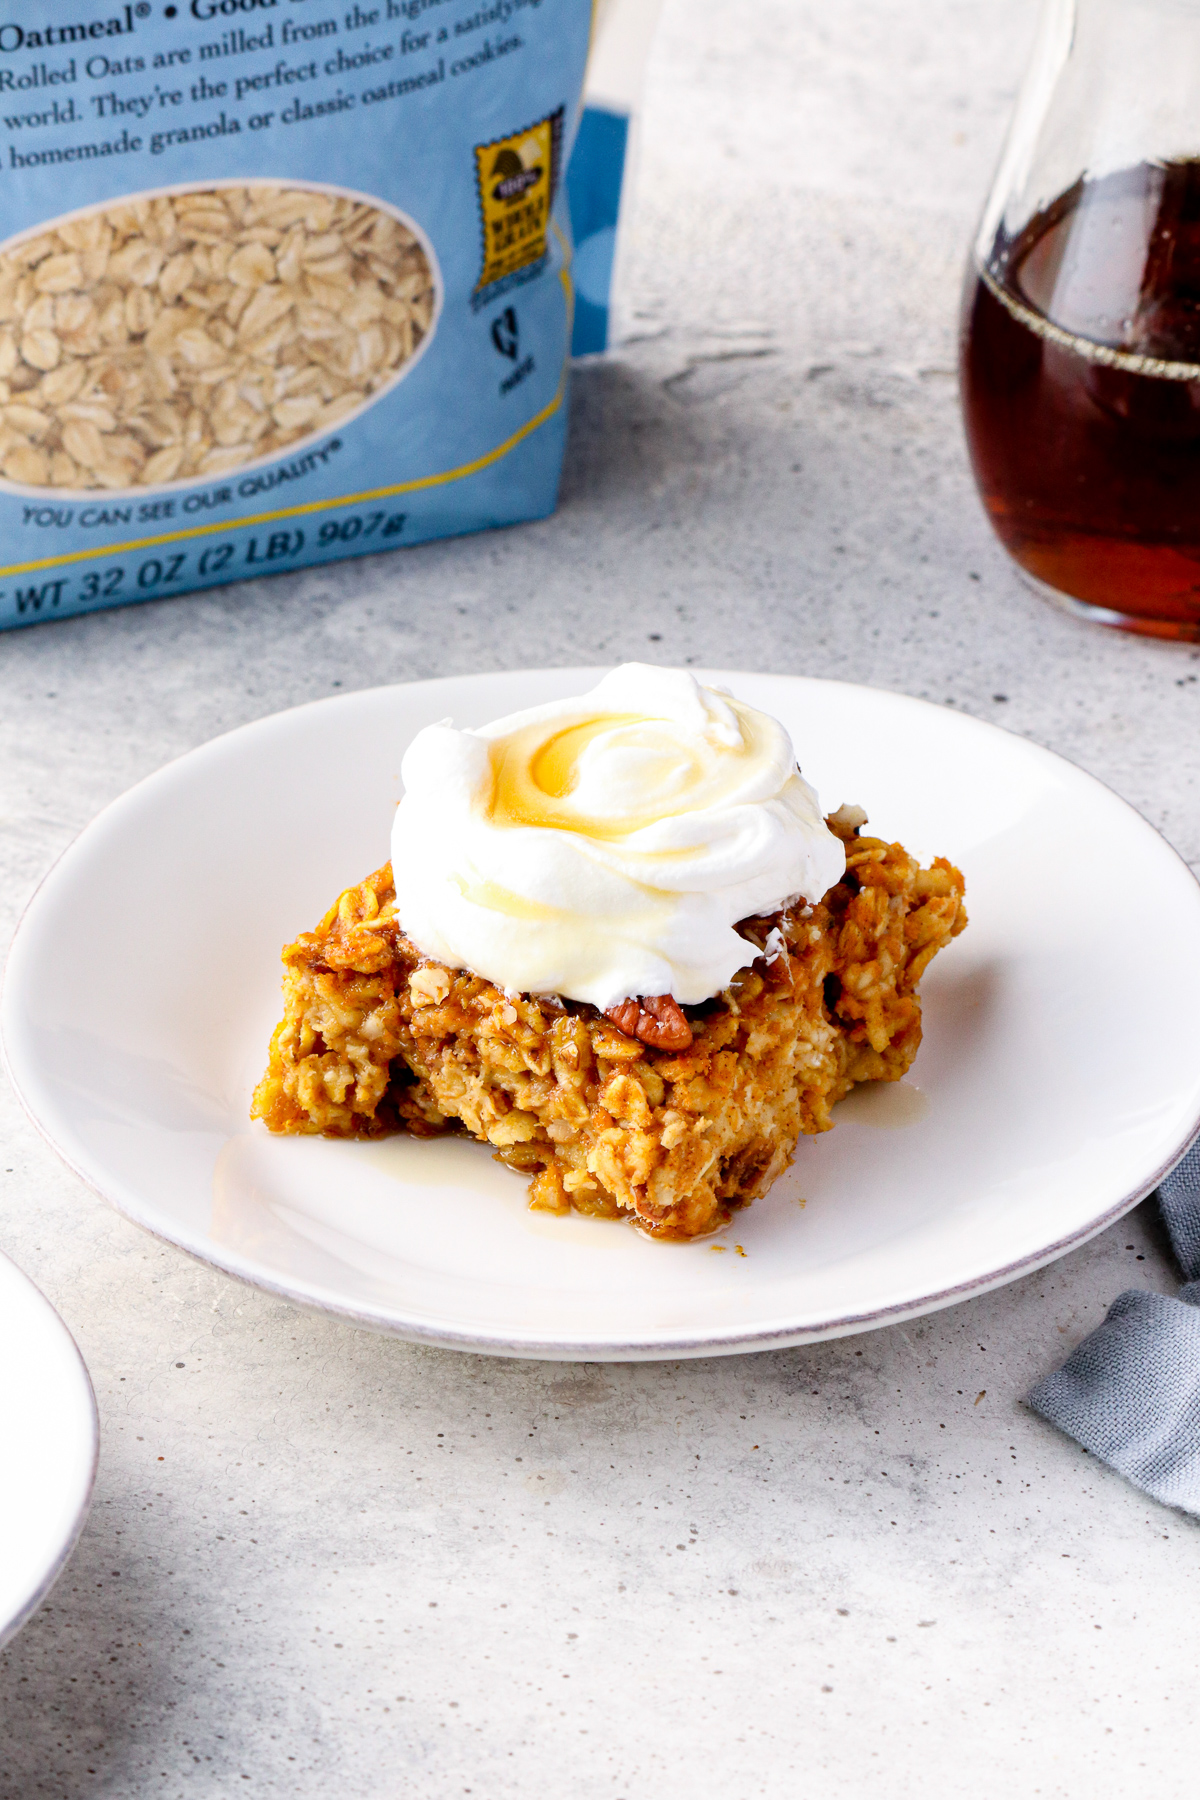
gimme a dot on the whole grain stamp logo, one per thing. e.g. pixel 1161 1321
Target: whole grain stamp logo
pixel 517 178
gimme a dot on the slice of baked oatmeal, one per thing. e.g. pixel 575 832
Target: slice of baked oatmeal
pixel 674 1120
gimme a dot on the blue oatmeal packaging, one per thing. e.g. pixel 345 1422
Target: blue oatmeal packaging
pixel 281 281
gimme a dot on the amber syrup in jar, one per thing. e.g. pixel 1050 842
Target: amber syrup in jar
pixel 1081 396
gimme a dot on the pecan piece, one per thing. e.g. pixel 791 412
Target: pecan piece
pixel 656 1019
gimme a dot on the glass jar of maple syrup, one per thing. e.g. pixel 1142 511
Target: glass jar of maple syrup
pixel 1081 318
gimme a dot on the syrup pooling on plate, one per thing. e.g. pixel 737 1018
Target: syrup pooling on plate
pixel 605 846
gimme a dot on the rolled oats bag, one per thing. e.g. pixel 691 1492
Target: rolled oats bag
pixel 281 281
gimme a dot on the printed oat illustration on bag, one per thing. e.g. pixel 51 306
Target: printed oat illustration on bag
pixel 187 334
pixel 518 179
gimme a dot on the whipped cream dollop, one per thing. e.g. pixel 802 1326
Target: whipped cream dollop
pixel 603 847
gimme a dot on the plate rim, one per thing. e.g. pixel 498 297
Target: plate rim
pixel 664 1347
pixel 39 1593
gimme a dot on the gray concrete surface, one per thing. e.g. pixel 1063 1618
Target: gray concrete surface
pixel 326 1564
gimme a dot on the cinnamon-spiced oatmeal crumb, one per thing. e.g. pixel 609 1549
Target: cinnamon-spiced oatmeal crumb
pixel 376 1038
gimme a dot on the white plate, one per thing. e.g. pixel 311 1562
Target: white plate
pixel 1059 1078
pixel 48 1441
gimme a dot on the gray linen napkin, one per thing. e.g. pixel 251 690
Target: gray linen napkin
pixel 1130 1393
